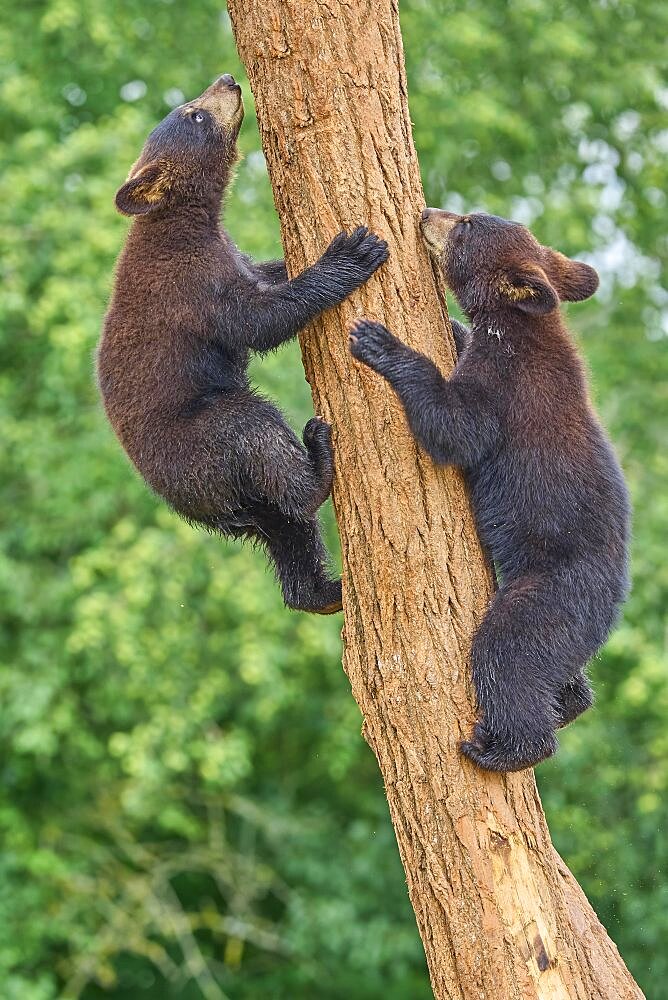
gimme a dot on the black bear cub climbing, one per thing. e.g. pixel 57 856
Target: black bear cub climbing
pixel 187 309
pixel 548 494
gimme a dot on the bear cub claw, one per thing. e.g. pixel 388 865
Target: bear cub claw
pixel 508 751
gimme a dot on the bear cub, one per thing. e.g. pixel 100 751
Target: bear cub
pixel 547 491
pixel 187 310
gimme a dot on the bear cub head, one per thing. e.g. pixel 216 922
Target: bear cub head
pixel 492 265
pixel 187 158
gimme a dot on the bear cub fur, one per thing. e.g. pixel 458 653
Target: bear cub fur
pixel 187 310
pixel 547 491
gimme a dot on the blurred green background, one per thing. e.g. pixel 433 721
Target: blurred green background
pixel 187 808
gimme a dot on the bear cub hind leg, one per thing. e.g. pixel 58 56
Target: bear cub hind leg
pixel 317 438
pixel 516 674
pixel 297 551
pixel 289 529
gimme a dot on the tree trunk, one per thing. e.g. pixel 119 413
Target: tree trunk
pixel 500 915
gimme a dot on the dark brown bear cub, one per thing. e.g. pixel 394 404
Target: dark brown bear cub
pixel 548 494
pixel 187 310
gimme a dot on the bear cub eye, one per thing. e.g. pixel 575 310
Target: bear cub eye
pixel 198 117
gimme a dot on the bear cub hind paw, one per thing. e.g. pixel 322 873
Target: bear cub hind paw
pixel 317 431
pixel 508 751
pixel 330 599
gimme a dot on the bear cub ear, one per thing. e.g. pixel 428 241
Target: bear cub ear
pixel 527 287
pixel 573 280
pixel 143 191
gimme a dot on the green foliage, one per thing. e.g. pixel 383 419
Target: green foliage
pixel 187 807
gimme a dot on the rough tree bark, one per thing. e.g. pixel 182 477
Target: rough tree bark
pixel 499 913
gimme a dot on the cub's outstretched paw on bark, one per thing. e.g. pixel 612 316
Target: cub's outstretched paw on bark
pixel 509 750
pixel 355 256
pixel 371 343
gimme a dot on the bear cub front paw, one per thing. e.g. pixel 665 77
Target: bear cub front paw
pixel 371 343
pixel 355 256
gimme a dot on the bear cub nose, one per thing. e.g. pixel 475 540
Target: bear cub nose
pixel 227 80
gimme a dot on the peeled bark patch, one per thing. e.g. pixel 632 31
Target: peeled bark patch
pixel 500 915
